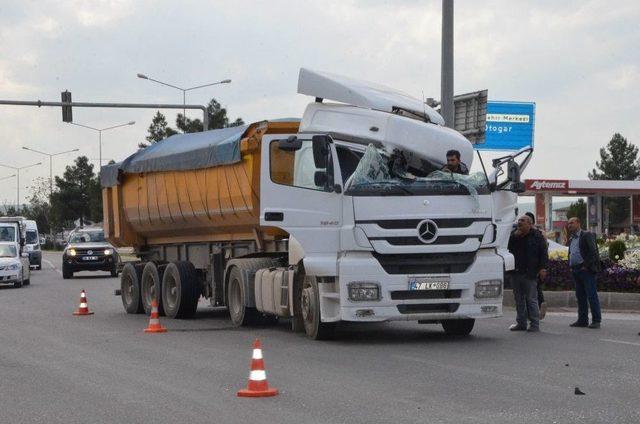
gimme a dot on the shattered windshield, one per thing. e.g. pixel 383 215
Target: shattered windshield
pixel 378 175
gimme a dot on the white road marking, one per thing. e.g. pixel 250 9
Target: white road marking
pixel 620 342
pixel 51 265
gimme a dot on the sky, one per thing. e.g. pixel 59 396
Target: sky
pixel 579 61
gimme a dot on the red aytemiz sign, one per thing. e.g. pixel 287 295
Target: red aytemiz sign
pixel 547 185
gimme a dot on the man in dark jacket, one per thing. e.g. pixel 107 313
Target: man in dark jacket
pixel 584 261
pixel 530 252
pixel 541 303
pixel 454 164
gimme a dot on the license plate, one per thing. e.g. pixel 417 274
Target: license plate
pixel 428 283
pixel 90 258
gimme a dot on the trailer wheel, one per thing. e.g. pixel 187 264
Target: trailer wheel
pixel 180 290
pixel 150 287
pixel 130 288
pixel 458 327
pixel 310 305
pixel 241 315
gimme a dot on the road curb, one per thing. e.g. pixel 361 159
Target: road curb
pixel 567 299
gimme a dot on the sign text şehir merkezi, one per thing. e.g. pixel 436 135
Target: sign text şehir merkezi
pixel 510 126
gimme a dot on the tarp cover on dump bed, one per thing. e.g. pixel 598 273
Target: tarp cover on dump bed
pixel 180 152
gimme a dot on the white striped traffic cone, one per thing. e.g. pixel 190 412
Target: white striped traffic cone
pixel 83 309
pixel 154 320
pixel 258 385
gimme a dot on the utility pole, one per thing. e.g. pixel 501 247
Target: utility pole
pixel 446 75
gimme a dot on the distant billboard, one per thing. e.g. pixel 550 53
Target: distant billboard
pixel 509 126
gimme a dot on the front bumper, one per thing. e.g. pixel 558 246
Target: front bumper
pixel 397 303
pixel 9 277
pixel 77 263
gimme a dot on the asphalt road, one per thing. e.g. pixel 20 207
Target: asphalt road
pixel 58 368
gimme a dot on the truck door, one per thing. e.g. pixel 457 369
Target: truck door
pixel 300 191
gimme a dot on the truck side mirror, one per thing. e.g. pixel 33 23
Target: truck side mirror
pixel 291 144
pixel 513 173
pixel 320 145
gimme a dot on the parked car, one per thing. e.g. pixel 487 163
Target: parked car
pixel 14 267
pixel 87 250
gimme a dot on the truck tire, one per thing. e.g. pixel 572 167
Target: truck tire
pixel 150 287
pixel 241 315
pixel 66 274
pixel 310 304
pixel 130 288
pixel 180 290
pixel 458 327
pixel 114 271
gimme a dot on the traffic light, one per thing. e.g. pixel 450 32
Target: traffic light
pixel 66 110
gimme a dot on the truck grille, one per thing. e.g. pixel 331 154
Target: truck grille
pixel 403 224
pixel 428 308
pixel 425 263
pixel 425 294
pixel 412 241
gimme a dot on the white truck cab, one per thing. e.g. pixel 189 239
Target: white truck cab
pixel 379 232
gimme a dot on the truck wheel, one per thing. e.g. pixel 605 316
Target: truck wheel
pixel 130 289
pixel 310 304
pixel 114 271
pixel 241 315
pixel 180 291
pixel 458 327
pixel 150 287
pixel 66 274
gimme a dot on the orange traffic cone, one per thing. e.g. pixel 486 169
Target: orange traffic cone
pixel 83 309
pixel 154 321
pixel 258 385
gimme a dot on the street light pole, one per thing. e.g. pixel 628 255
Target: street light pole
pixel 446 72
pixel 184 90
pixel 51 155
pixel 17 169
pixel 99 130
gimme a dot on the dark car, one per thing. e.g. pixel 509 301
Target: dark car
pixel 88 250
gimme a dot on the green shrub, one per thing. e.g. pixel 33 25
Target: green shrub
pixel 616 250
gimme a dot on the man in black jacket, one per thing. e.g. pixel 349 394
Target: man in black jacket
pixel 530 252
pixel 584 261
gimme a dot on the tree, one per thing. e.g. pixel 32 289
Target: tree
pixel 158 130
pixel 39 208
pixel 217 119
pixel 77 195
pixel 217 115
pixel 578 209
pixel 618 161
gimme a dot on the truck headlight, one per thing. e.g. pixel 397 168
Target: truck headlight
pixel 488 288
pixel 71 252
pixel 360 291
pixel 108 252
pixel 12 267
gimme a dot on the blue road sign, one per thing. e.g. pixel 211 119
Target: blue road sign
pixel 509 126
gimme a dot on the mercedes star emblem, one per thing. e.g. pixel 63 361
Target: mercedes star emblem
pixel 427 231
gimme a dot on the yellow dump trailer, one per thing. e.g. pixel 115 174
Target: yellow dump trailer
pixel 218 203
